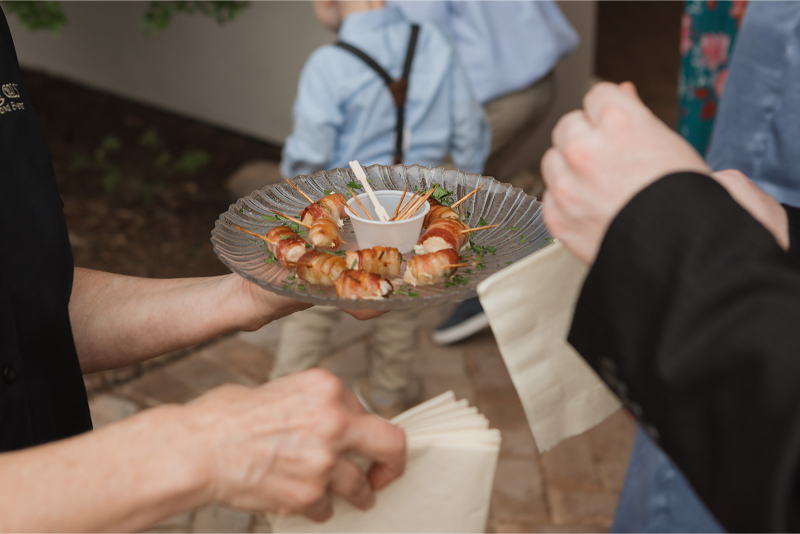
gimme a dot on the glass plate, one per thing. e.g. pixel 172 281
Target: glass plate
pixel 521 232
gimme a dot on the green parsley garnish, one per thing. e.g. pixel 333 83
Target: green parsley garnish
pixel 301 287
pixel 407 291
pixel 456 280
pixel 481 222
pixel 326 192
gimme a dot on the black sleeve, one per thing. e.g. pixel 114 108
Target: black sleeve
pixel 793 214
pixel 5 35
pixel 691 313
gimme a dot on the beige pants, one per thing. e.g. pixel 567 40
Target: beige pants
pixel 513 119
pixel 305 340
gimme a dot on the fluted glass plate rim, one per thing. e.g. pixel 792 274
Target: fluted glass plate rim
pixel 521 233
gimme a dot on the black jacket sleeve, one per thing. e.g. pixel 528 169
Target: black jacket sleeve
pixel 793 214
pixel 691 313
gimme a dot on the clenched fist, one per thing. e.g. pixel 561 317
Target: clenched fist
pixel 601 157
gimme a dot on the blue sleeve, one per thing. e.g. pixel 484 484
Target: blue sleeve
pixel 471 140
pixel 317 118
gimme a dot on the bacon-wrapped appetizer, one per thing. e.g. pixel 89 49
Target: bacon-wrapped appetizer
pixel 324 219
pixel 331 206
pixel 324 233
pixel 443 234
pixel 355 284
pixel 320 268
pixel 438 211
pixel 285 244
pixel 379 260
pixel 431 268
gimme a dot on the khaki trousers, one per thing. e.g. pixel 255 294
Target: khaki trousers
pixel 305 340
pixel 514 118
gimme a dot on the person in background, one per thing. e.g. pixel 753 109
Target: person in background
pixel 345 110
pixel 698 337
pixel 656 497
pixel 509 50
pixel 708 33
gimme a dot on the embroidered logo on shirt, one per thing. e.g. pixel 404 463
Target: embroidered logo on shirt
pixel 11 93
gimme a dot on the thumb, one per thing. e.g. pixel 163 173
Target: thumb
pixel 629 89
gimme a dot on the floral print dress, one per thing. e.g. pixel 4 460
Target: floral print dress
pixel 708 31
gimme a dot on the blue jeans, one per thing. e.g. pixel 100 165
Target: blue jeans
pixel 657 497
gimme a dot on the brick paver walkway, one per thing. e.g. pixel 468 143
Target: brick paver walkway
pixel 572 488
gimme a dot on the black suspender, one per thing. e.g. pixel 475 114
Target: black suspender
pixel 398 88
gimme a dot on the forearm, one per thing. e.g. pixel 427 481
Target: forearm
pixel 688 314
pixel 118 320
pixel 125 477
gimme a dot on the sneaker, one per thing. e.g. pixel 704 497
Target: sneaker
pixel 385 405
pixel 468 319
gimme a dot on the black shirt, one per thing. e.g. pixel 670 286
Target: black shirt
pixel 42 397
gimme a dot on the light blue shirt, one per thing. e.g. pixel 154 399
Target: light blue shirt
pixel 344 110
pixel 757 129
pixel 505 46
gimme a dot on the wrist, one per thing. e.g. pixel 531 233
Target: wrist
pixel 250 307
pixel 186 467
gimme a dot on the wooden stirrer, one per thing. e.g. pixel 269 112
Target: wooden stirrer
pixel 380 211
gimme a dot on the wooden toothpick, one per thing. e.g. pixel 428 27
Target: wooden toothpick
pixel 468 195
pixel 298 189
pixel 360 204
pixel 479 228
pixel 407 204
pixel 417 205
pixel 455 265
pixel 397 209
pixel 298 221
pixel 261 237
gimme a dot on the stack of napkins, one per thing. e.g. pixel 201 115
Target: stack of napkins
pixel 530 307
pixel 447 485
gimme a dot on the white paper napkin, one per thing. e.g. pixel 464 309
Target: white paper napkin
pixel 530 307
pixel 447 485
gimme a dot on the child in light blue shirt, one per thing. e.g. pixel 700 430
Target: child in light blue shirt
pixel 347 109
pixel 344 110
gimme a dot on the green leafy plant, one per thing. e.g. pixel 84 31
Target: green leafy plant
pixel 158 15
pixel 50 16
pixel 36 16
pixel 100 162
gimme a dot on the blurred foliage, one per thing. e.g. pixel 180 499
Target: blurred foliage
pixel 159 14
pixel 103 161
pixel 36 15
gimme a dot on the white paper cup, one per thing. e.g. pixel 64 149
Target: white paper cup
pixel 402 235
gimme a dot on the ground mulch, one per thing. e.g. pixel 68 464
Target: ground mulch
pixel 129 209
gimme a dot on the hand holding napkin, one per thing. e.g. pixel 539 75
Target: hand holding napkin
pixel 447 485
